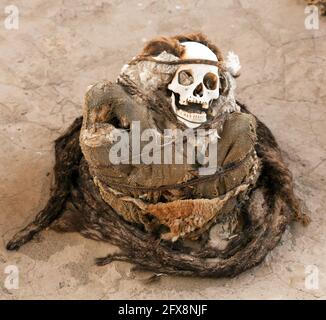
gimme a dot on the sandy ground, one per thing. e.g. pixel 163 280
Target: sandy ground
pixel 63 46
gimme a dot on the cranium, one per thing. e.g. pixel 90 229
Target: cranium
pixel 194 86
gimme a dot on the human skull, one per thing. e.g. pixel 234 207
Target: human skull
pixel 194 86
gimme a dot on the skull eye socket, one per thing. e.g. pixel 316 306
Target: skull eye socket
pixel 185 77
pixel 210 81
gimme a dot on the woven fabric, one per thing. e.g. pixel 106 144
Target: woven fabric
pixel 185 211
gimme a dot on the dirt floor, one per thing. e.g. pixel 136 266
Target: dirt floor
pixel 63 46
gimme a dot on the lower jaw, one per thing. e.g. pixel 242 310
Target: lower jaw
pixel 189 124
pixel 190 120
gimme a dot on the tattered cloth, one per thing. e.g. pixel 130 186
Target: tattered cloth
pixel 173 195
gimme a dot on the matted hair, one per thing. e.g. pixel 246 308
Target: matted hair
pixel 173 45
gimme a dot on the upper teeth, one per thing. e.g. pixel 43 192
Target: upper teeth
pixel 194 100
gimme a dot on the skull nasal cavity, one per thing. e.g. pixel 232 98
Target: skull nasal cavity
pixel 199 90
